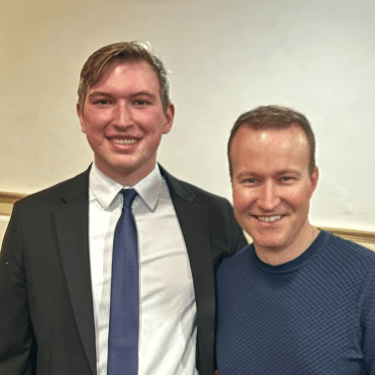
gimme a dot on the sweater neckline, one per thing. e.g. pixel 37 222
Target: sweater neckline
pixel 295 263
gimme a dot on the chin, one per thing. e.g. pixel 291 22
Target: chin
pixel 269 242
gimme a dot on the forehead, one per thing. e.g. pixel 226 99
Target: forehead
pixel 125 73
pixel 270 148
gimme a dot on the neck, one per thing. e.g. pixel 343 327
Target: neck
pixel 126 177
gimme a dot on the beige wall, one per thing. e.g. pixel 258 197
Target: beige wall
pixel 3 225
pixel 371 246
pixel 225 57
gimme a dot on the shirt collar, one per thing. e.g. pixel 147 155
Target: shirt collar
pixel 105 190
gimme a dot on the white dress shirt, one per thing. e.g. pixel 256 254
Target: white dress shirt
pixel 167 321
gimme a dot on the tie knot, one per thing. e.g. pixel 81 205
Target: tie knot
pixel 129 196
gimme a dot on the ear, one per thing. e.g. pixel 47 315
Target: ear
pixel 314 179
pixel 169 117
pixel 80 116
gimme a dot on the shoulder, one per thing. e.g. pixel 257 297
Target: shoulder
pixel 193 193
pixel 234 264
pixel 219 210
pixel 346 262
pixel 56 194
pixel 225 233
pixel 349 252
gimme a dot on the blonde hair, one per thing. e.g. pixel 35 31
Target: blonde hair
pixel 99 61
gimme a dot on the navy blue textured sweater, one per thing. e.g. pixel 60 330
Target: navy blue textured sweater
pixel 314 315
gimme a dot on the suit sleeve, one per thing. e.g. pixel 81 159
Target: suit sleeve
pixel 16 332
pixel 236 239
pixel 239 237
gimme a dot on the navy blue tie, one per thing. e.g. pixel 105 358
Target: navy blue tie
pixel 124 310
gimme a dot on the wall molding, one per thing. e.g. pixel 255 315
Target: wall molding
pixel 7 199
pixel 353 235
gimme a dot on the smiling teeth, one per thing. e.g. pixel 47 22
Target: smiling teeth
pixel 269 219
pixel 124 141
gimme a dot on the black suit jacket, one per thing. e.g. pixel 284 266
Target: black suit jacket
pixel 46 308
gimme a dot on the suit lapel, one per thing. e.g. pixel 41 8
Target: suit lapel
pixel 72 231
pixel 194 221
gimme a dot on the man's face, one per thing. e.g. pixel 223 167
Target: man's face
pixel 272 186
pixel 124 121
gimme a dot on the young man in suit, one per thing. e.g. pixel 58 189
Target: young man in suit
pixel 56 269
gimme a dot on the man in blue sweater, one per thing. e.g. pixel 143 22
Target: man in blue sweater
pixel 298 300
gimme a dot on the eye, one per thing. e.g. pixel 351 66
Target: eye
pixel 287 179
pixel 141 102
pixel 249 181
pixel 102 102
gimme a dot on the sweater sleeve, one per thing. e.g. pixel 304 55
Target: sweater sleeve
pixel 367 320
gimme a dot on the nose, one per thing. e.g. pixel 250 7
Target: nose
pixel 122 116
pixel 268 196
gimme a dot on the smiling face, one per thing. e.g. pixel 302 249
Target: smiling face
pixel 124 121
pixel 272 188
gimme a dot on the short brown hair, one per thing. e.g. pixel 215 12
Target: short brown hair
pixel 274 117
pixel 99 61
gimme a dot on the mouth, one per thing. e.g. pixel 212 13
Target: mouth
pixel 269 219
pixel 121 141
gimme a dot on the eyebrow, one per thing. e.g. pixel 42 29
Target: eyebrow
pixel 138 93
pixel 252 174
pixel 145 93
pixel 284 171
pixel 98 93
